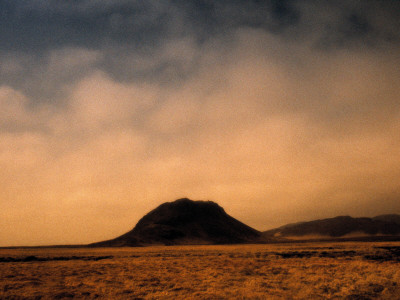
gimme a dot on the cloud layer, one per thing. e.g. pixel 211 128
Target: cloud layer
pixel 279 110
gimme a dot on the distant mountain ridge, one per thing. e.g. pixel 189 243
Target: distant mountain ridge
pixel 185 221
pixel 388 218
pixel 338 227
pixel 188 222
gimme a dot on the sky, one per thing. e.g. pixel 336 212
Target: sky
pixel 279 111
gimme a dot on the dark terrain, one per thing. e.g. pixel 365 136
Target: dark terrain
pixel 340 227
pixel 186 221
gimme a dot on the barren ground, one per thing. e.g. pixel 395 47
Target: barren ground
pixel 279 271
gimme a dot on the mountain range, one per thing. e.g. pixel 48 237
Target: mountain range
pixel 188 222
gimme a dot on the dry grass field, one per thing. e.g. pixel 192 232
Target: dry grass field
pixel 279 271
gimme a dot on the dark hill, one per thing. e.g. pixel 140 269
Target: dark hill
pixel 388 218
pixel 186 222
pixel 338 227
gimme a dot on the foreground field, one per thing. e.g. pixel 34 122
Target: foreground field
pixel 300 271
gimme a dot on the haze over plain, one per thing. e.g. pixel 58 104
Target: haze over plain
pixel 280 111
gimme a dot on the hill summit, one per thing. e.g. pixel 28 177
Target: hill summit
pixel 185 221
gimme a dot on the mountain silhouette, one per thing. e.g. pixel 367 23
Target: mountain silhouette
pixel 388 218
pixel 185 222
pixel 339 227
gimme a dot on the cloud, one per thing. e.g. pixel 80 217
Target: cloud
pixel 125 38
pixel 280 111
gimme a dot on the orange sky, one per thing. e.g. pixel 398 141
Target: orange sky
pixel 272 130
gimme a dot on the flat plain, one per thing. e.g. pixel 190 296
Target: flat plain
pixel 340 270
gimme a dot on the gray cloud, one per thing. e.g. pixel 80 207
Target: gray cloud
pixel 279 110
pixel 126 33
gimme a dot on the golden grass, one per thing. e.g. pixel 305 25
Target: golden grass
pixel 301 271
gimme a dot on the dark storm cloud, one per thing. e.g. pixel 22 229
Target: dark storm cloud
pixel 30 31
pixel 354 24
pixel 42 25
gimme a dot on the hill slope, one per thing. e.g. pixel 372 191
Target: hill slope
pixel 388 218
pixel 186 222
pixel 339 227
